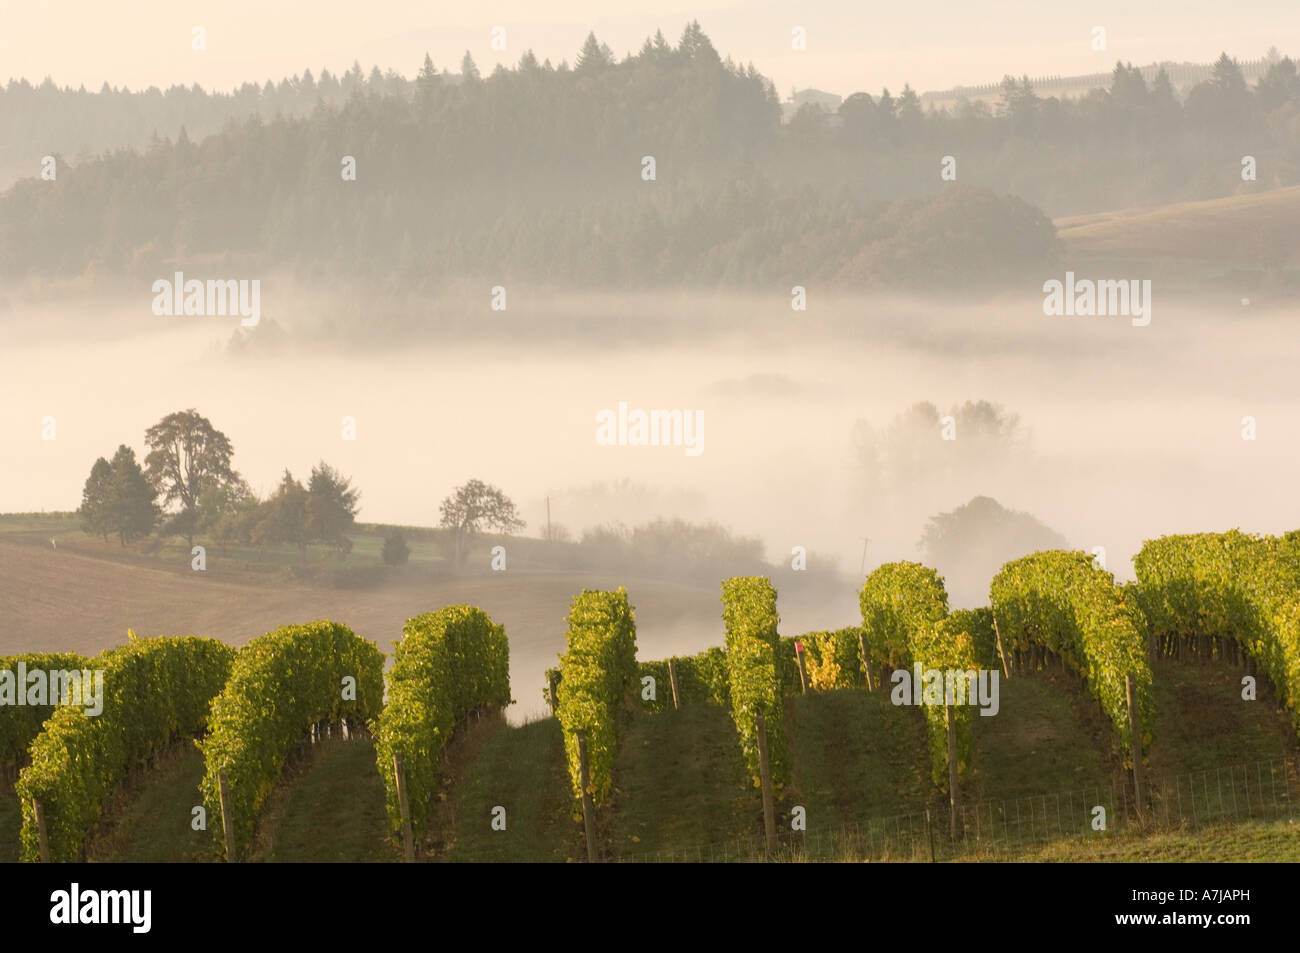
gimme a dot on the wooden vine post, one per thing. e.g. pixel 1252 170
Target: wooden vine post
pixel 1135 742
pixel 952 768
pixel 588 808
pixel 672 680
pixel 803 666
pixel 1006 669
pixel 43 838
pixel 404 805
pixel 765 782
pixel 227 818
pixel 551 697
pixel 866 659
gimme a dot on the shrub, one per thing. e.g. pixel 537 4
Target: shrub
pixel 396 552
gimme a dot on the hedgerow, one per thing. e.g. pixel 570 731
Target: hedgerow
pixel 905 621
pixel 598 671
pixel 280 685
pixel 701 679
pixel 19 724
pixel 449 663
pixel 1063 603
pixel 154 691
pixel 1240 589
pixel 750 619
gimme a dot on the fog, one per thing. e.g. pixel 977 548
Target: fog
pixel 1131 432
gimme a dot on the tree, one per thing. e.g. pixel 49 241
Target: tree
pixel 694 45
pixel 1227 75
pixel 910 114
pixel 428 80
pixel 238 521
pixel 468 71
pixel 286 516
pixel 132 510
pixel 187 455
pixel 859 115
pixel 911 451
pixel 474 507
pixel 810 123
pixel 396 552
pixel 594 55
pixel 97 499
pixel 331 507
pixel 1019 103
pixel 971 543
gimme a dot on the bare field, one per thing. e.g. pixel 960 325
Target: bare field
pixel 54 600
pixel 1231 229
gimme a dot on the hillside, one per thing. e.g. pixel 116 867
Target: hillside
pixel 859 771
pixel 1253 232
pixel 61 601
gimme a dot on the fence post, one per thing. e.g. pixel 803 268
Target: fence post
pixel 227 818
pixel 42 838
pixel 864 658
pixel 952 770
pixel 588 808
pixel 803 668
pixel 404 805
pixel 672 680
pixel 1006 670
pixel 765 781
pixel 1135 741
pixel 929 832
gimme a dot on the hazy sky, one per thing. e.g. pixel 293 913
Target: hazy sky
pixel 852 45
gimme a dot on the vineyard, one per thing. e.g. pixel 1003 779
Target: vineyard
pixel 1118 712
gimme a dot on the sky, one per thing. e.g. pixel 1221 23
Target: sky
pixel 851 45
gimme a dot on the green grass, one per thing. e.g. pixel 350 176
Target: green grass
pixel 679 782
pixel 855 756
pixel 1047 737
pixel 11 822
pixel 1250 842
pixel 1203 723
pixel 152 820
pixel 51 524
pixel 330 808
pixel 523 770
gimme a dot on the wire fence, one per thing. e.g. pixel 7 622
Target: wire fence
pixel 1261 790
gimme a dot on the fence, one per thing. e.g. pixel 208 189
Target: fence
pixel 1262 790
pixel 1182 76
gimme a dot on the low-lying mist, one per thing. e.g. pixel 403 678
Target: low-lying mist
pixel 1119 433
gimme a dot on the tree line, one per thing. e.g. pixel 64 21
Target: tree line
pixel 538 172
pixel 188 487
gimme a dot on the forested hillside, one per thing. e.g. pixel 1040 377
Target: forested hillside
pixel 668 166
